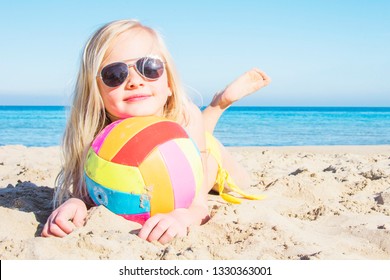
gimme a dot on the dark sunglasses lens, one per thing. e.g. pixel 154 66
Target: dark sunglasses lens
pixel 150 68
pixel 114 74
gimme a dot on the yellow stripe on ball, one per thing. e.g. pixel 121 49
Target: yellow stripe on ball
pixel 114 176
pixel 157 179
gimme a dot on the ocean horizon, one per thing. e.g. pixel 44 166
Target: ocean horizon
pixel 43 126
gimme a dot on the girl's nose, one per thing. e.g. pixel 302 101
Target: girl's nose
pixel 134 80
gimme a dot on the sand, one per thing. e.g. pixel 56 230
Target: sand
pixel 322 203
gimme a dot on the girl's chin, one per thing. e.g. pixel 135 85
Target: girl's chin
pixel 140 114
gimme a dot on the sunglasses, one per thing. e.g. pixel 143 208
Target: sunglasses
pixel 114 74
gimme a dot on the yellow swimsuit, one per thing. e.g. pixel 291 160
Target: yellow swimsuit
pixel 223 177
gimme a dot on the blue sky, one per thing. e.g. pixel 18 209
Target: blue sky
pixel 318 53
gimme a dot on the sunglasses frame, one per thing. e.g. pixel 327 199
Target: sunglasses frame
pixel 135 68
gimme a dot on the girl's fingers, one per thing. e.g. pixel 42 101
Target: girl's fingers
pixel 52 229
pixel 160 228
pixel 148 227
pixel 79 217
pixel 65 225
pixel 168 235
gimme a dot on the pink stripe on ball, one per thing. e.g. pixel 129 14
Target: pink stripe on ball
pixel 180 172
pixel 138 218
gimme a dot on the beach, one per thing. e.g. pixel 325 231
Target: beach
pixel 322 203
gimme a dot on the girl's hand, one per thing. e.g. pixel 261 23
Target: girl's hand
pixel 164 227
pixel 65 218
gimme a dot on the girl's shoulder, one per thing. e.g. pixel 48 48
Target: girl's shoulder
pixel 191 113
pixel 193 109
pixel 194 113
pixel 192 117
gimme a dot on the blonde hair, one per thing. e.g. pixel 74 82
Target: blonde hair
pixel 87 114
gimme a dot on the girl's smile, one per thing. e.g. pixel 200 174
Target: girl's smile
pixel 136 97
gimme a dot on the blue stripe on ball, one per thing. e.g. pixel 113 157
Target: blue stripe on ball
pixel 117 201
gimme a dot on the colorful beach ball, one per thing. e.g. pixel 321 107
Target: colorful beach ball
pixel 141 166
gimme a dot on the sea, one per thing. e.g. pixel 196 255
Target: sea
pixel 43 126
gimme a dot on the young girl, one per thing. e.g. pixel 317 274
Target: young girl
pixel 127 71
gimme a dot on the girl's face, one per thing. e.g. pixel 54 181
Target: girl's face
pixel 136 96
